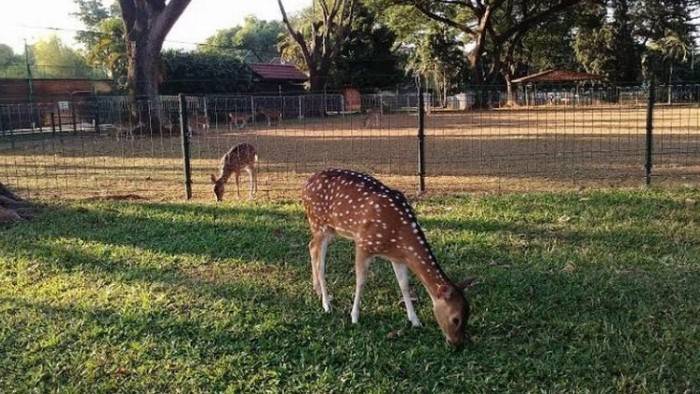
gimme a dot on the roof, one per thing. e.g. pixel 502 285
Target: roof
pixel 278 72
pixel 558 76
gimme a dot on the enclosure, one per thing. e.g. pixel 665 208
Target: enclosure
pixel 118 283
pixel 102 146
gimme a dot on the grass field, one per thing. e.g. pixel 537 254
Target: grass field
pixel 593 291
pixel 483 151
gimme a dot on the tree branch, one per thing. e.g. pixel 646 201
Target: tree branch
pixel 167 18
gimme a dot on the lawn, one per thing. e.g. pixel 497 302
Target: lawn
pixel 593 291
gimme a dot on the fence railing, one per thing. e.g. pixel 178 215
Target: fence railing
pixel 110 146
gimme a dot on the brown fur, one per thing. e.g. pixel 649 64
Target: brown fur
pixel 240 157
pixel 381 223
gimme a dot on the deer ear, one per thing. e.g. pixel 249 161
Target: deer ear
pixel 444 291
pixel 213 178
pixel 467 283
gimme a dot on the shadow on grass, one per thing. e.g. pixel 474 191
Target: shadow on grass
pixel 532 325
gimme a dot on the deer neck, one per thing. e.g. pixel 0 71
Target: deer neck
pixel 420 259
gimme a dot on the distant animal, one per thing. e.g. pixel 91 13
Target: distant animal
pixel 372 117
pixel 237 120
pixel 240 157
pixel 270 115
pixel 381 223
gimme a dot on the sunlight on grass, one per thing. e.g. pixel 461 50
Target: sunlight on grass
pixel 578 292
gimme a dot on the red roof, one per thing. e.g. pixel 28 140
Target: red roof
pixel 277 72
pixel 558 76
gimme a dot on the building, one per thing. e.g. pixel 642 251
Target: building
pixel 50 90
pixel 277 79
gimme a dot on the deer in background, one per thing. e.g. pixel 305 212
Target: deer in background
pixel 271 114
pixel 381 223
pixel 372 117
pixel 237 120
pixel 240 157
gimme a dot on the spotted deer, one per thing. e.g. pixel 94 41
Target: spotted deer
pixel 271 114
pixel 382 224
pixel 237 120
pixel 240 157
pixel 372 118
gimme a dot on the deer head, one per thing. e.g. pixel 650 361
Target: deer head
pixel 451 311
pixel 218 188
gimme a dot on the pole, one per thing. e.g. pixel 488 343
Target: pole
pixel 185 135
pixel 53 123
pixel 650 131
pixel 97 117
pixel 421 138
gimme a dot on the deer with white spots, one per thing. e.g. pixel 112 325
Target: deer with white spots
pixel 382 224
pixel 240 157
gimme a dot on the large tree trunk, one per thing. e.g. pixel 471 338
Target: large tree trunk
pixel 147 23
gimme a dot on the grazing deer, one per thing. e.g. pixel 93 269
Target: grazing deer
pixel 240 157
pixel 372 118
pixel 382 223
pixel 237 120
pixel 271 114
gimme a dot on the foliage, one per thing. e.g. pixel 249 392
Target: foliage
pixel 51 58
pixel 366 59
pixel 137 297
pixel 197 72
pixel 11 65
pixel 104 38
pixel 109 51
pixel 319 37
pixel 255 41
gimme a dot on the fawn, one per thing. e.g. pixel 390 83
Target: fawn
pixel 240 157
pixel 381 223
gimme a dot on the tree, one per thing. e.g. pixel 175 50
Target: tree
pixel 499 21
pixel 366 59
pixel 436 58
pixel 626 68
pixel 146 24
pixel 254 41
pixel 104 38
pixel 109 51
pixel 322 42
pixel 11 64
pixel 51 58
pixel 199 72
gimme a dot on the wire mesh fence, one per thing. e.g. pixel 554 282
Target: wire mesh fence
pixel 111 146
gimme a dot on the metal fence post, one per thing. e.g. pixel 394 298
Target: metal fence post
pixel 185 135
pixel 53 123
pixel 60 121
pixel 97 117
pixel 75 122
pixel 650 131
pixel 421 139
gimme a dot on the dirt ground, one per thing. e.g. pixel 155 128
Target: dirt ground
pixel 484 151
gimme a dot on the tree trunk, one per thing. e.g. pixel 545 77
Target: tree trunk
pixel 147 23
pixel 144 78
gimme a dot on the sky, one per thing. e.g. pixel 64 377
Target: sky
pixel 30 19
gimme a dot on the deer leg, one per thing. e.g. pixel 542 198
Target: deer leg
pixel 318 248
pixel 362 261
pixel 402 277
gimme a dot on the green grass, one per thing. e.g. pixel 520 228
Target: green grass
pixel 578 292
